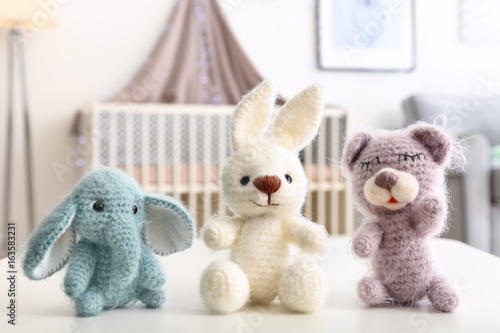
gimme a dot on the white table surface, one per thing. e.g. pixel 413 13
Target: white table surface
pixel 43 307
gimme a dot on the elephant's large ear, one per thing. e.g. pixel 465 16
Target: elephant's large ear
pixel 51 243
pixel 169 228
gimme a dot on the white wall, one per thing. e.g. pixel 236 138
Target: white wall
pixel 279 35
pixel 99 45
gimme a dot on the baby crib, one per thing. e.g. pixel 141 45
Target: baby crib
pixel 179 149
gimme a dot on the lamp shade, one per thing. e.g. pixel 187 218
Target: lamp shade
pixel 28 14
pixel 18 9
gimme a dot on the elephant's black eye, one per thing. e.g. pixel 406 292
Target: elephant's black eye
pixel 98 206
pixel 135 209
pixel 244 180
pixel 288 179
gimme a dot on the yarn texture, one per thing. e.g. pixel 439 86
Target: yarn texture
pixel 264 185
pixel 398 184
pixel 107 229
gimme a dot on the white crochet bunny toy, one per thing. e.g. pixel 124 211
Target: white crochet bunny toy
pixel 264 185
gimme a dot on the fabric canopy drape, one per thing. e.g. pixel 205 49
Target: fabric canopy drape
pixel 196 60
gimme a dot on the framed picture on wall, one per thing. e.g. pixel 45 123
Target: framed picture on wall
pixel 365 35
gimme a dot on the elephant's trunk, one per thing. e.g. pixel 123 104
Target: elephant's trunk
pixel 126 251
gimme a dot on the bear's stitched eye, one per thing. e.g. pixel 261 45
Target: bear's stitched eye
pixel 374 161
pixel 288 179
pixel 406 157
pixel 98 206
pixel 244 180
pixel 135 209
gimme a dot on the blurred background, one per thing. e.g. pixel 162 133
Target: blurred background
pixel 78 53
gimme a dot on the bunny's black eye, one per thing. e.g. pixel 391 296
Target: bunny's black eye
pixel 98 206
pixel 244 180
pixel 135 209
pixel 288 179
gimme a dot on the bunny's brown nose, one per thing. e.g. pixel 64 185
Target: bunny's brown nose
pixel 268 184
pixel 386 179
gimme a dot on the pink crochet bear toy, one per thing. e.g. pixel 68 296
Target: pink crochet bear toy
pixel 398 184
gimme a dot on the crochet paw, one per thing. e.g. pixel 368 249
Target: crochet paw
pixel 153 280
pixel 153 299
pixel 442 296
pixel 431 207
pixel 218 235
pixel 74 288
pixel 363 246
pixel 303 287
pixel 90 304
pixel 372 291
pixel 429 216
pixel 312 239
pixel 224 287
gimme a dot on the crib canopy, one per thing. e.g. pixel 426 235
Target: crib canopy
pixel 197 60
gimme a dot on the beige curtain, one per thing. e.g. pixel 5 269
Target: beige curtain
pixel 196 60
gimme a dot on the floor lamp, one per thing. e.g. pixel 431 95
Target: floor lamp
pixel 16 59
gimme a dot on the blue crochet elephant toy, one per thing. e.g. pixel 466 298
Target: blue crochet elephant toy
pixel 106 229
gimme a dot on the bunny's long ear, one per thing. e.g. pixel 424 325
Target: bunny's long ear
pixel 298 121
pixel 169 228
pixel 251 117
pixel 51 244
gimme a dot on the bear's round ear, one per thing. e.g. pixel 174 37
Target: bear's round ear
pixel 437 143
pixel 353 149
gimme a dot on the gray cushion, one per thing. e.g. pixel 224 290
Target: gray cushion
pixel 495 181
pixel 466 113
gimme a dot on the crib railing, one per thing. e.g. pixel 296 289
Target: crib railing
pixel 326 201
pixel 178 150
